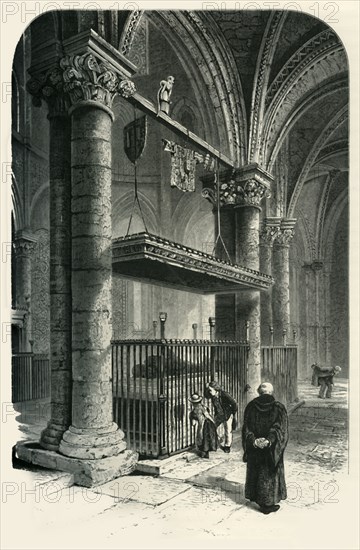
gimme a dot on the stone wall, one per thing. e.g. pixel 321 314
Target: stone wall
pixel 339 291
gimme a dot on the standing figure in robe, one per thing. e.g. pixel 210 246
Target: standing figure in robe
pixel 264 437
pixel 206 436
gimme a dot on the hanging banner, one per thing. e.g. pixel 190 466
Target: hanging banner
pixel 183 163
pixel 135 134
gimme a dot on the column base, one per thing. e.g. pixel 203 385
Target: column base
pixel 92 444
pixel 50 437
pixel 87 473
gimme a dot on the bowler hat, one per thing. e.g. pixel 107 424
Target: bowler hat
pixel 195 398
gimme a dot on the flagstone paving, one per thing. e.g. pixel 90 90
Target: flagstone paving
pixel 200 501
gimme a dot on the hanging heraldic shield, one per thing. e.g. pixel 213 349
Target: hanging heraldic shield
pixel 135 138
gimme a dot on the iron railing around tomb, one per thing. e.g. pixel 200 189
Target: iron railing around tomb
pixel 279 366
pixel 152 383
pixel 30 377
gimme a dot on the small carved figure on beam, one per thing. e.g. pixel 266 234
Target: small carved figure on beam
pixel 164 95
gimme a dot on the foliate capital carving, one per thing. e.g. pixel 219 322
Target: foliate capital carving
pixel 127 88
pixel 78 78
pixel 49 87
pixel 245 186
pixel 268 233
pixel 284 237
pixel 227 194
pixel 251 192
pixel 286 232
pixel 24 246
pixel 86 78
pixel 248 193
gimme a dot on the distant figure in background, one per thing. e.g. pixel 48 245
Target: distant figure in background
pixel 225 408
pixel 206 436
pixel 264 438
pixel 324 377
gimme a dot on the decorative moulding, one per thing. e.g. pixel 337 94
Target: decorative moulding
pixel 151 259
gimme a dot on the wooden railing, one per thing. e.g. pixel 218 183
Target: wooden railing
pixel 279 367
pixel 30 377
pixel 152 383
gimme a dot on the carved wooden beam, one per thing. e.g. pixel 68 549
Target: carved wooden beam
pixel 149 258
pixel 149 108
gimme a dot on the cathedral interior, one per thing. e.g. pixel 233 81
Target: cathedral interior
pixel 259 103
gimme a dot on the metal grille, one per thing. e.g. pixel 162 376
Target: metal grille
pixel 279 366
pixel 30 377
pixel 152 383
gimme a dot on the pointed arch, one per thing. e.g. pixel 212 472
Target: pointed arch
pixel 324 136
pixel 261 79
pixel 204 54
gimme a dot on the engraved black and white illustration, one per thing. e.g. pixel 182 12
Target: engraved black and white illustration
pixel 179 279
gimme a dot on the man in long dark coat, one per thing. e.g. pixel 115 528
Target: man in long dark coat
pixel 225 407
pixel 264 438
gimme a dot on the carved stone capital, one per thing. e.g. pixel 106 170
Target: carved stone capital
pixel 127 88
pixel 250 193
pixel 269 231
pixel 314 266
pixel 317 265
pixel 24 244
pixel 76 79
pixel 88 79
pixel 49 87
pixel 252 185
pixel 227 194
pixel 286 232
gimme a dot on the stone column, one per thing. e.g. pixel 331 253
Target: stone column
pixel 60 280
pixel 48 87
pixel 281 290
pixel 251 188
pixel 24 246
pixel 268 233
pixel 89 82
pixel 92 434
pixel 241 193
pixel 224 303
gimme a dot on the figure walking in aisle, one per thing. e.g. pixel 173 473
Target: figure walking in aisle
pixel 264 438
pixel 324 377
pixel 206 436
pixel 225 408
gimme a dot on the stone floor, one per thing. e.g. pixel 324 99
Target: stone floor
pixel 193 503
